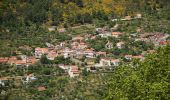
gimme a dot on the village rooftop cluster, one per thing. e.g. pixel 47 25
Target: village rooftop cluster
pixel 77 48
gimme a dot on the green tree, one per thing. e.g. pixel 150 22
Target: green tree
pixel 145 80
pixel 44 60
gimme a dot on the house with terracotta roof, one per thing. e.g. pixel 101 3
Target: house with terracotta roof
pixel 100 53
pixel 164 42
pixel 41 88
pixel 156 38
pixel 24 61
pixel 19 63
pixel 109 62
pixel 115 62
pixel 116 34
pixel 73 71
pixel 89 53
pixel 140 57
pixel 12 60
pixel 4 59
pixel 105 62
pixel 40 51
pixel 31 60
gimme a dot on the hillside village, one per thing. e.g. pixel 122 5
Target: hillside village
pixel 84 49
pixel 84 56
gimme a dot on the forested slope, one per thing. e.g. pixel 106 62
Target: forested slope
pixel 69 12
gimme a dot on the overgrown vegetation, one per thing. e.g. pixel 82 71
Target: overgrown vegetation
pixel 146 80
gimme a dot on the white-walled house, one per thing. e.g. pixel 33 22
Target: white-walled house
pixel 64 67
pixel 128 57
pixel 67 52
pixel 120 45
pixel 109 62
pixel 73 71
pixel 105 62
pixel 89 53
pixel 99 30
pixel 105 34
pixel 138 15
pixel 52 28
pixel 29 78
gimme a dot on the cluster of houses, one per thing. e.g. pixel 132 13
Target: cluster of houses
pixel 105 32
pixel 77 48
pixel 128 18
pixel 157 38
pixel 72 70
pixel 23 60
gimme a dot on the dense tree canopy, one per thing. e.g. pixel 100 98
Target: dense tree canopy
pixel 145 80
pixel 75 11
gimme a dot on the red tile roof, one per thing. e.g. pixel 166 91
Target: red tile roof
pixel 74 69
pixel 41 49
pixel 4 59
pixel 138 57
pixel 115 60
pixel 4 78
pixel 101 53
pixel 164 42
pixel 41 88
pixel 20 62
pixel 117 33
